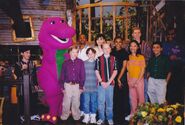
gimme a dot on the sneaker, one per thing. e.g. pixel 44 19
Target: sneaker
pixel 127 118
pixel 86 119
pixel 22 120
pixel 110 122
pixel 93 118
pixel 35 117
pixel 99 122
pixel 82 113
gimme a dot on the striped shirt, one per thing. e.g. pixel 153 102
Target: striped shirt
pixel 90 80
pixel 146 50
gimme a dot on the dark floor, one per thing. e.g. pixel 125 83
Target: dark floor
pixel 10 116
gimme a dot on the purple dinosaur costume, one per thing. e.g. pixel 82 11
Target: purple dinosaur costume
pixel 54 34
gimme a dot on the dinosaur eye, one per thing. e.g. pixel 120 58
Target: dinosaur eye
pixel 62 21
pixel 52 22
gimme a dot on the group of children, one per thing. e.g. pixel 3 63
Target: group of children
pixel 108 81
pixel 104 72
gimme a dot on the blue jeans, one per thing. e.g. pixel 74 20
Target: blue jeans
pixel 90 102
pixel 146 89
pixel 82 102
pixel 105 96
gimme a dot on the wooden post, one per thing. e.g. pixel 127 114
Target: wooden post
pixel 114 21
pixel 26 90
pixel 101 19
pixel 126 23
pixel 80 21
pixel 89 24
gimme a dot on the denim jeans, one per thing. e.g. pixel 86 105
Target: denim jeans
pixel 90 102
pixel 105 96
pixel 146 89
pixel 82 102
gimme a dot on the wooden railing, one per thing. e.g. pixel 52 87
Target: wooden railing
pixel 114 6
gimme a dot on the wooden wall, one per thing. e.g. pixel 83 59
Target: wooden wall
pixel 38 11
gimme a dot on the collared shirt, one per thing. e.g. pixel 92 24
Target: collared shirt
pixel 159 67
pixel 107 67
pixel 73 71
pixel 146 50
pixel 82 53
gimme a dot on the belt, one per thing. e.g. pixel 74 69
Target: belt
pixel 72 83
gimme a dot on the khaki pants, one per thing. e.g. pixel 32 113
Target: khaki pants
pixel 157 90
pixel 71 101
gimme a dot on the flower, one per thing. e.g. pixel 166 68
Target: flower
pixel 144 114
pixel 160 110
pixel 178 119
pixel 162 114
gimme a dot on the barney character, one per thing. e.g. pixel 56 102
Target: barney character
pixel 54 35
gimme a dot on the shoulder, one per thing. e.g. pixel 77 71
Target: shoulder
pixel 141 57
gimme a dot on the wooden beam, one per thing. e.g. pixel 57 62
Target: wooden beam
pixel 126 23
pixel 80 17
pixel 114 21
pixel 89 25
pixel 101 19
pixel 107 4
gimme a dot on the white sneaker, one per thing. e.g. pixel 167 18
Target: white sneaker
pixel 127 118
pixel 86 119
pixel 93 118
pixel 82 113
pixel 35 117
pixel 110 122
pixel 99 122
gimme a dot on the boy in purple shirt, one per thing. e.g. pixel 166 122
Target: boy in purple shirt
pixel 72 81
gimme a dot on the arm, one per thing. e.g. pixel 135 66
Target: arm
pixel 82 75
pixel 62 76
pixel 122 72
pixel 98 76
pixel 141 75
pixel 168 77
pixel 112 76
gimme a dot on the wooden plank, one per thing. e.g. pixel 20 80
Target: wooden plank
pixel 89 25
pixel 80 21
pixel 126 23
pixel 107 4
pixel 114 21
pixel 101 19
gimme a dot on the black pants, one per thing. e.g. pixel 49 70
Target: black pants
pixel 121 105
pixel 33 104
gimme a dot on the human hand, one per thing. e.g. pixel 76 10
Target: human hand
pixel 119 83
pixel 24 66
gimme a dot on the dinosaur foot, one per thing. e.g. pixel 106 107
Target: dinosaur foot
pixel 49 118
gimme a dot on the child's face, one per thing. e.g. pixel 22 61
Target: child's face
pixel 91 55
pixel 106 49
pixel 100 41
pixel 133 48
pixel 156 49
pixel 26 55
pixel 118 43
pixel 136 34
pixel 74 53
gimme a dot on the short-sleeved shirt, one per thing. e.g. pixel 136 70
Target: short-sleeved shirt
pixel 159 67
pixel 135 64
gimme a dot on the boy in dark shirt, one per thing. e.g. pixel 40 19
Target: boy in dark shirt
pixel 158 72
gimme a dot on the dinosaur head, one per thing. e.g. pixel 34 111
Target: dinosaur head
pixel 55 34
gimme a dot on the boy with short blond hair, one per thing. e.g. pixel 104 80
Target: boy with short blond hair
pixel 106 71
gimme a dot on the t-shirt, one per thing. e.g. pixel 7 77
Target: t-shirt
pixel 134 65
